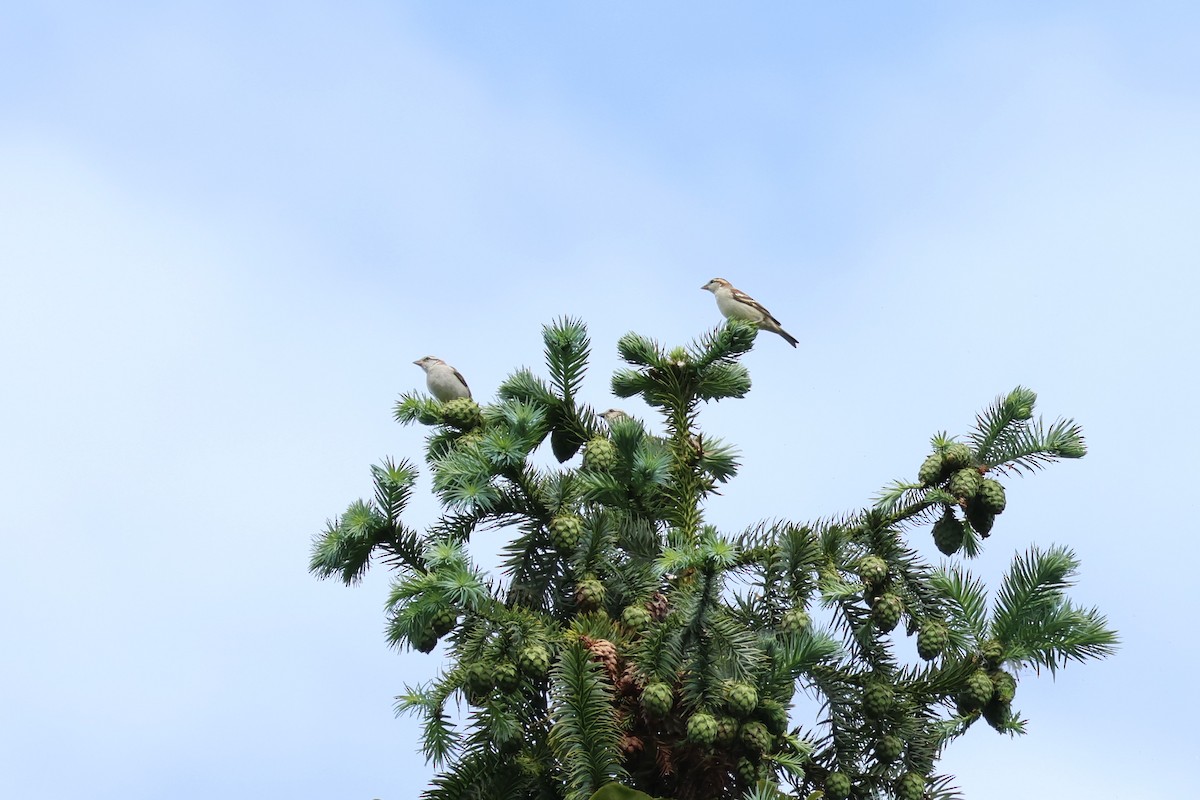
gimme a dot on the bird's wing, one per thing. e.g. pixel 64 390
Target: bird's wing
pixel 742 297
pixel 458 375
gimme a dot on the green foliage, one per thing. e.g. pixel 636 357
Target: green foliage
pixel 584 734
pixel 628 649
pixel 1036 623
pixel 346 546
pixel 615 791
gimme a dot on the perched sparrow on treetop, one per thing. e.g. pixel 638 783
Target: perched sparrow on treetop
pixel 736 304
pixel 612 415
pixel 444 381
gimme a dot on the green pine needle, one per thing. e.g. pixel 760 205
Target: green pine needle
pixel 345 547
pixel 583 734
pixel 723 380
pixel 633 348
pixel 567 352
pixel 525 387
pixel 412 408
pixel 967 600
pixel 1035 621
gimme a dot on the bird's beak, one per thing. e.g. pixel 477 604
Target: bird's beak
pixel 417 362
pixel 705 286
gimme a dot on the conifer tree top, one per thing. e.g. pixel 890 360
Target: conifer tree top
pixel 627 645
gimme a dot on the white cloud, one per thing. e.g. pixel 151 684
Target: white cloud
pixel 222 248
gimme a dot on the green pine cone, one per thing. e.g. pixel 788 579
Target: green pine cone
pixel 565 531
pixel 933 470
pixel 506 676
pixel 991 496
pixel 702 729
pixel 910 786
pixel 958 456
pixel 479 678
pixel 748 772
pixel 948 533
pixel 980 518
pixel 727 731
pixel 589 594
pixel 837 786
pixel 657 699
pixel 889 749
pixel 510 745
pixel 599 454
pixel 444 621
pixel 886 612
pixel 479 684
pixel 1005 685
pixel 877 699
pixel 965 483
pixel 873 570
pixel 468 440
pixel 997 713
pixel 462 413
pixel 756 737
pixel 795 620
pixel 534 660
pixel 742 699
pixel 977 691
pixel 773 714
pixel 992 653
pixel 932 640
pixel 637 617
pixel 424 640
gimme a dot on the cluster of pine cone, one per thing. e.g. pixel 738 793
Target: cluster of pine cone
pixel 956 470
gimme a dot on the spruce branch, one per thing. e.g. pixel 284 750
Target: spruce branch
pixel 524 387
pixel 717 458
pixel 567 352
pixel 583 733
pixel 1031 446
pixel 345 547
pixel 722 380
pixel 412 408
pixel 660 653
pixel 966 598
pixel 999 419
pixel 724 343
pixel 402 549
pixel 1036 623
pixel 630 382
pixel 393 487
pixel 471 777
pixel 641 351
pixel 464 481
pixel 438 737
pixel 799 655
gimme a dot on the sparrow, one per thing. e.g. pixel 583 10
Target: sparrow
pixel 612 415
pixel 736 304
pixel 444 381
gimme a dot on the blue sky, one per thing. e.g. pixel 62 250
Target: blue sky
pixel 226 231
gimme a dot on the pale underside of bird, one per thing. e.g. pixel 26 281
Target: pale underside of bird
pixel 444 381
pixel 736 304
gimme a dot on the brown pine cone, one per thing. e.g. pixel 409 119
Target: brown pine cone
pixel 657 606
pixel 605 652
